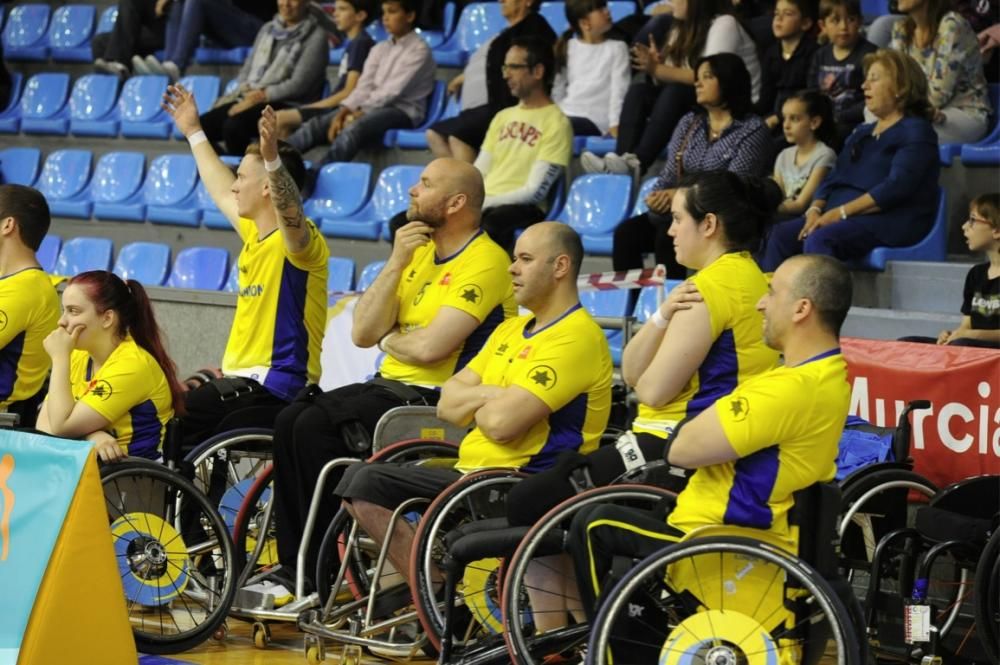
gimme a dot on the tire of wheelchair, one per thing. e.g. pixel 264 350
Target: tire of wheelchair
pixel 519 645
pixel 249 510
pixel 842 631
pixel 178 487
pixel 987 596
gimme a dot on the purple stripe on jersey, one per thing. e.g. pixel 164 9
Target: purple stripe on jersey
pixel 10 356
pixel 717 375
pixel 752 487
pixel 290 348
pixel 565 433
pixel 147 431
pixel 474 342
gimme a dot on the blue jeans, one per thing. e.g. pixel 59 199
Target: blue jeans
pixel 366 130
pixel 222 21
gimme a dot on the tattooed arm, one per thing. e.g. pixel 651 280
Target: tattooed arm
pixel 285 196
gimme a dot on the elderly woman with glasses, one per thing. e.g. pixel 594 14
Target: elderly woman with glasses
pixel 883 191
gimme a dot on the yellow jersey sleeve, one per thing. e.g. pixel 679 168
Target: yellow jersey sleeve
pixel 118 387
pixel 29 311
pixel 315 255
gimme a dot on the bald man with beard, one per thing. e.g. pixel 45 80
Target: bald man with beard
pixel 442 292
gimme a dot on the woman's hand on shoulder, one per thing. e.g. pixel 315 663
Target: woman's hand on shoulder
pixel 683 296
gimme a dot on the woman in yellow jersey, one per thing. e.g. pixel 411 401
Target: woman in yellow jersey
pixel 112 381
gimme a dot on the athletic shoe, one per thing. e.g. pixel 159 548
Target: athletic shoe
pixel 276 590
pixel 152 65
pixel 111 67
pixel 627 164
pixel 591 163
pixel 172 71
pixel 139 65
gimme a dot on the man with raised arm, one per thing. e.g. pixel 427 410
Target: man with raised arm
pixel 274 345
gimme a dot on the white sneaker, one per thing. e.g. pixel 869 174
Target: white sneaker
pixel 139 65
pixel 172 71
pixel 280 593
pixel 111 67
pixel 591 163
pixel 627 164
pixel 151 65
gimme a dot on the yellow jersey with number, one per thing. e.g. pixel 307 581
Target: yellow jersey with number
pixel 29 311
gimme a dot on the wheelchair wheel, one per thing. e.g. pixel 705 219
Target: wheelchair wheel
pixel 987 591
pixel 723 600
pixel 253 528
pixel 476 496
pixel 178 574
pixel 525 643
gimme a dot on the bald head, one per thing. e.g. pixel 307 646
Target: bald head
pixel 827 283
pixel 458 177
pixel 559 238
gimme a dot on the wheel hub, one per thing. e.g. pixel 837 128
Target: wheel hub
pixel 721 655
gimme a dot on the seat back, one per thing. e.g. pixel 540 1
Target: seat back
pixel 16 88
pixel 26 26
pixel 45 95
pixel 145 262
pixel 640 199
pixel 200 268
pixel 597 202
pixel 231 86
pixel 48 252
pixel 72 26
pixel 81 254
pixel 414 422
pixel 368 274
pixel 205 89
pixel 611 303
pixel 478 23
pixel 341 188
pixel 107 21
pixel 93 97
pixel 170 180
pixel 554 11
pixel 140 98
pixel 815 513
pixel 117 177
pixel 232 282
pixel 620 9
pixel 872 9
pixel 19 166
pixel 341 275
pixel 391 193
pixel 650 298
pixel 65 174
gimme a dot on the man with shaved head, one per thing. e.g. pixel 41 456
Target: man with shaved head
pixel 540 385
pixel 443 290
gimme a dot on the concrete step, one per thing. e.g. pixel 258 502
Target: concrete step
pixel 873 323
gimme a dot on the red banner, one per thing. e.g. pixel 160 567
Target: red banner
pixel 959 436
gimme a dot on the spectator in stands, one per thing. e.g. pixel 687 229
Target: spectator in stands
pixel 722 133
pixel 785 64
pixel 231 23
pixel 540 385
pixel 653 109
pixel 112 382
pixel 809 127
pixel 946 48
pixel 29 303
pixel 989 40
pixel 482 84
pixel 980 324
pixel 837 68
pixel 980 14
pixel 593 70
pixel 274 345
pixel 351 17
pixel 392 92
pixel 883 190
pixel 441 293
pixel 286 66
pixel 140 29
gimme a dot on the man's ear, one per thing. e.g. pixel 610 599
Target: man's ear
pixel 562 265
pixel 7 226
pixel 803 309
pixel 456 202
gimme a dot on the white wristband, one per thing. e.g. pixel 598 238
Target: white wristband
pixel 272 166
pixel 197 138
pixel 658 320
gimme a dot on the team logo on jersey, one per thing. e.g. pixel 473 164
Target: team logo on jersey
pixel 446 280
pixel 524 352
pixel 471 294
pixel 502 349
pixel 101 389
pixel 739 407
pixel 544 376
pixel 3 319
pixel 420 293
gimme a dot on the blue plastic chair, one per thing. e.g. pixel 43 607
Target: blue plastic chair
pixel 205 89
pixel 391 196
pixel 600 145
pixel 107 21
pixel 341 275
pixel 10 117
pixel 934 247
pixel 93 108
pixel 20 166
pixel 595 205
pixel 116 188
pixel 640 199
pixel 81 254
pixel 64 182
pixel 25 33
pixel 872 9
pixel 70 32
pixel 435 106
pixel 232 282
pixel 416 139
pixel 211 217
pixel 368 274
pixel 169 192
pixel 949 151
pixel 341 189
pixel 554 11
pixel 43 104
pixel 981 155
pixel 645 305
pixel 139 107
pixel 203 268
pixel 478 23
pixel 146 262
pixel 48 252
pixel 611 304
pixel 210 53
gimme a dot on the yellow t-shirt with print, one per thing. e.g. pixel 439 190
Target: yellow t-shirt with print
pixel 567 365
pixel 280 315
pixel 731 286
pixel 131 391
pixel 29 311
pixel 474 280
pixel 785 425
pixel 518 137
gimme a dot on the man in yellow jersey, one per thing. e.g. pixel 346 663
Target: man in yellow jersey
pixel 441 293
pixel 29 304
pixel 540 385
pixel 776 433
pixel 273 350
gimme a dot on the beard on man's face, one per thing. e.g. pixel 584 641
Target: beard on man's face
pixel 433 217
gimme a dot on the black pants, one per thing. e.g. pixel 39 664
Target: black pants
pixel 649 115
pixel 208 413
pixel 642 234
pixel 307 435
pixel 238 131
pixel 137 31
pixel 500 222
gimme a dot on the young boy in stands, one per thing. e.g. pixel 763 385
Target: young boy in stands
pixel 351 17
pixel 785 64
pixel 837 69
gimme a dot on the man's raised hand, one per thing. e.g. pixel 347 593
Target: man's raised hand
pixel 179 103
pixel 267 126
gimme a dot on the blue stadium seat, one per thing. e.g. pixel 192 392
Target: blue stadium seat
pixel 210 215
pixel 640 199
pixel 209 53
pixel 611 304
pixel 479 22
pixel 43 103
pixel 231 86
pixel 981 155
pixel 139 106
pixel 391 196
pixel 48 252
pixel 232 282
pixel 368 274
pixel 934 247
pixel 595 205
pixel 205 89
pixel 341 276
pixel 169 192
pixel 116 188
pixel 872 9
pixel 93 108
pixel 645 305
pixel 416 139
pixel 107 21
pixel 554 11
pixel 64 182
pixel 81 254
pixel 341 189
pixel 200 268
pixel 435 106
pixel 146 262
pixel 25 33
pixel 600 145
pixel 70 32
pixel 10 117
pixel 951 150
pixel 20 166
